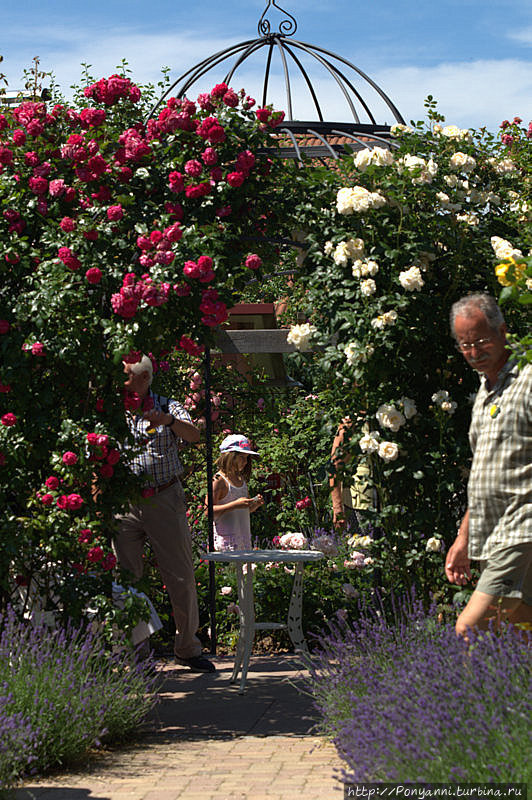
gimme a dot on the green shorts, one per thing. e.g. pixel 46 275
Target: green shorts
pixel 508 573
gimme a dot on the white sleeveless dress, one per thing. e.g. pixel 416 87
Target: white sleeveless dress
pixel 232 530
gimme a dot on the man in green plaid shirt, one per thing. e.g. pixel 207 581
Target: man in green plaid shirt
pixel 497 527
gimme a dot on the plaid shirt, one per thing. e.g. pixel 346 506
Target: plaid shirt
pixel 500 483
pixel 160 456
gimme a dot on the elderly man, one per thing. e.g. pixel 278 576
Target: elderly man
pixel 161 516
pixel 497 526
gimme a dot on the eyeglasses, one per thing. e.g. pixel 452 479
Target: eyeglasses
pixel 465 347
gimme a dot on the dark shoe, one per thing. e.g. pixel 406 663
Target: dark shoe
pixel 197 664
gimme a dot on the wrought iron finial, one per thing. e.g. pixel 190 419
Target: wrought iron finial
pixel 287 27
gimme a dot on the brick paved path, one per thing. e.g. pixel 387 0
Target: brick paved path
pixel 207 742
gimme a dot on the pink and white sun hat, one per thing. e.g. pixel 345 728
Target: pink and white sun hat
pixel 236 443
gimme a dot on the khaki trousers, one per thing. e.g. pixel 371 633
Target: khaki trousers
pixel 162 520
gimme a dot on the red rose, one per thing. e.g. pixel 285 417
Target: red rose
pixel 62 502
pixel 19 137
pixel 5 388
pixel 37 349
pixel 85 536
pixel 74 502
pixel 108 562
pixel 46 499
pixel 106 471
pixel 8 420
pixel 57 187
pixel 230 98
pixel 67 224
pixel 148 491
pixel 235 179
pixel 113 457
pixel 38 185
pixel 69 458
pixel 93 275
pixel 52 482
pixel 92 438
pixel 95 554
pixel 4 326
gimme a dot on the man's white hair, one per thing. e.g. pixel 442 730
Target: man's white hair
pixel 479 302
pixel 144 365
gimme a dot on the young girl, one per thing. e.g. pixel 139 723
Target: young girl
pixel 231 503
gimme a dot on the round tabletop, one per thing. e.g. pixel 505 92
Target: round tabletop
pixel 263 556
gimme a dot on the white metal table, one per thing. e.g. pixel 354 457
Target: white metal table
pixel 248 624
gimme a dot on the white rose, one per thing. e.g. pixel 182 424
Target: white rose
pixel 409 407
pixel 461 162
pixel 370 268
pixel 451 180
pixel 506 165
pixel 363 159
pixel 359 541
pixel 225 590
pixel 451 131
pixel 340 254
pixel 389 417
pixel 328 248
pixel 368 287
pixel 369 443
pixel 300 336
pixel 351 352
pixel 443 198
pixel 411 279
pixel 449 406
pixel 433 545
pixel 390 317
pixel 388 451
pixel 503 249
pixel 355 248
pixel 440 396
pixel 399 129
pixel 380 156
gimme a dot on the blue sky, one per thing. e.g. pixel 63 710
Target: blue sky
pixel 474 56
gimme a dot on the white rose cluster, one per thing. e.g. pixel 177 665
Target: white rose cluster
pixel 354 351
pixel 411 280
pixel 358 199
pixel 384 320
pixel 442 399
pixel 399 129
pixel 293 541
pixel 371 443
pixel 427 169
pixel 349 249
pixel 359 541
pixel 390 417
pixel 502 167
pixel 461 162
pixel 503 249
pixel 364 267
pixel 300 336
pixel 468 218
pixel 380 156
pixel 453 132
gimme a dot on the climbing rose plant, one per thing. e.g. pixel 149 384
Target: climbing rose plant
pixel 118 234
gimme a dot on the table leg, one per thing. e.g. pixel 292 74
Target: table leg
pixel 247 623
pixel 295 630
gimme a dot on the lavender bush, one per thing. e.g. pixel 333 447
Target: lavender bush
pixel 62 692
pixel 409 701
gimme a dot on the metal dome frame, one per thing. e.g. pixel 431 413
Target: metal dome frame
pixel 359 134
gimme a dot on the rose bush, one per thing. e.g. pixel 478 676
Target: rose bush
pixel 118 234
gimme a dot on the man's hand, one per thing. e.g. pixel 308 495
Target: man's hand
pixel 457 563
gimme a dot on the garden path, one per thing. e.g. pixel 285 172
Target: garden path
pixel 204 741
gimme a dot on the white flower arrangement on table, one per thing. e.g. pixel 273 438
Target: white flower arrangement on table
pixel 411 279
pixel 358 199
pixel 443 401
pixel 293 541
pixel 300 336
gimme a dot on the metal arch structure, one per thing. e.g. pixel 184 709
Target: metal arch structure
pixel 323 134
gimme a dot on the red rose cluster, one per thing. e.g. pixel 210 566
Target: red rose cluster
pixel 110 90
pixel 134 292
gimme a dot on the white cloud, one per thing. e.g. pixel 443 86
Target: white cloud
pixel 523 36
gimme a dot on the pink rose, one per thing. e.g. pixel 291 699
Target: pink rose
pixel 115 213
pixel 57 187
pixel 209 156
pixel 85 536
pixel 193 168
pixel 8 420
pixel 253 261
pixel 19 137
pixel 69 458
pixel 37 349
